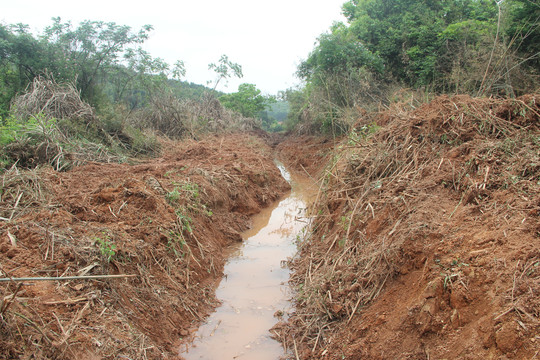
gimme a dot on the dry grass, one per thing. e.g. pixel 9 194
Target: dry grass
pixel 178 118
pixel 19 191
pixel 54 126
pixel 45 96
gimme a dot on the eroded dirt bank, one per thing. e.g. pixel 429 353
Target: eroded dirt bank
pixel 426 240
pixel 164 220
pixel 424 245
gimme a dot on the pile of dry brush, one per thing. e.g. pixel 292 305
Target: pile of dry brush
pixel 180 118
pixel 45 96
pixel 52 118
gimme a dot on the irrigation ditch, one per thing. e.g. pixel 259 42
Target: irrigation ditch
pixel 424 242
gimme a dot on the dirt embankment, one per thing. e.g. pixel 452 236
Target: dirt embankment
pixel 426 243
pixel 164 220
pixel 306 154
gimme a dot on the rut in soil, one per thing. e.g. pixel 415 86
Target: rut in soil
pixel 254 290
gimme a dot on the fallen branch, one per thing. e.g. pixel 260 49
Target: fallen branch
pixel 67 302
pixel 65 278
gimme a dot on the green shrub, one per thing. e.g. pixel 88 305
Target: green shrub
pixel 8 130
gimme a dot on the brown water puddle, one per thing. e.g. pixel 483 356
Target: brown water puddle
pixel 255 285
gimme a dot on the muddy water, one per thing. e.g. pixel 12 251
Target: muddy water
pixel 255 286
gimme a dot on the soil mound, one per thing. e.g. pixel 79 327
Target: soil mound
pixel 166 221
pixel 426 239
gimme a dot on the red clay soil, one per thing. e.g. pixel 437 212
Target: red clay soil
pixel 426 243
pixel 306 154
pixel 166 221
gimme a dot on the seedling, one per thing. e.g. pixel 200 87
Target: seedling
pixel 174 239
pixel 173 196
pixel 106 247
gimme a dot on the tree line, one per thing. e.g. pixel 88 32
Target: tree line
pixel 109 67
pixel 478 47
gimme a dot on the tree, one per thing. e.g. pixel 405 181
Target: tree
pixel 524 29
pixel 338 52
pixel 103 59
pixel 406 33
pixel 248 101
pixel 89 51
pixel 297 100
pixel 140 76
pixel 225 69
pixel 338 67
pixel 22 57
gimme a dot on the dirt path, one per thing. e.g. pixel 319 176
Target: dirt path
pixel 164 220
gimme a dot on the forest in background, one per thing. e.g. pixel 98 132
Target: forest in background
pixel 387 51
pixel 390 51
pixel 92 89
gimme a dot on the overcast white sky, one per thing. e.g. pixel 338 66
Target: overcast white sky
pixel 268 38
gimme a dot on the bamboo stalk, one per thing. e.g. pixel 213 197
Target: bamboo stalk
pixel 65 278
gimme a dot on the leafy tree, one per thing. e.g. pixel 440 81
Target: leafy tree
pixel 524 28
pixel 298 102
pixel 188 90
pixel 269 122
pixel 279 109
pixel 338 52
pixel 89 51
pixel 461 67
pixel 140 77
pixel 105 59
pixel 248 101
pixel 337 68
pixel 22 57
pixel 406 33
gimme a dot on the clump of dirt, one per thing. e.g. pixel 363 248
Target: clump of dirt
pixel 425 242
pixel 165 222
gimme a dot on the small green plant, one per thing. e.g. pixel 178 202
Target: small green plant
pixel 356 135
pixel 175 239
pixel 184 221
pixel 344 221
pixel 173 196
pixel 8 130
pixel 207 212
pixel 452 271
pixel 191 188
pixel 106 247
pixel 448 279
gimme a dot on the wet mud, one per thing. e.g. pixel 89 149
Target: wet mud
pixel 254 292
